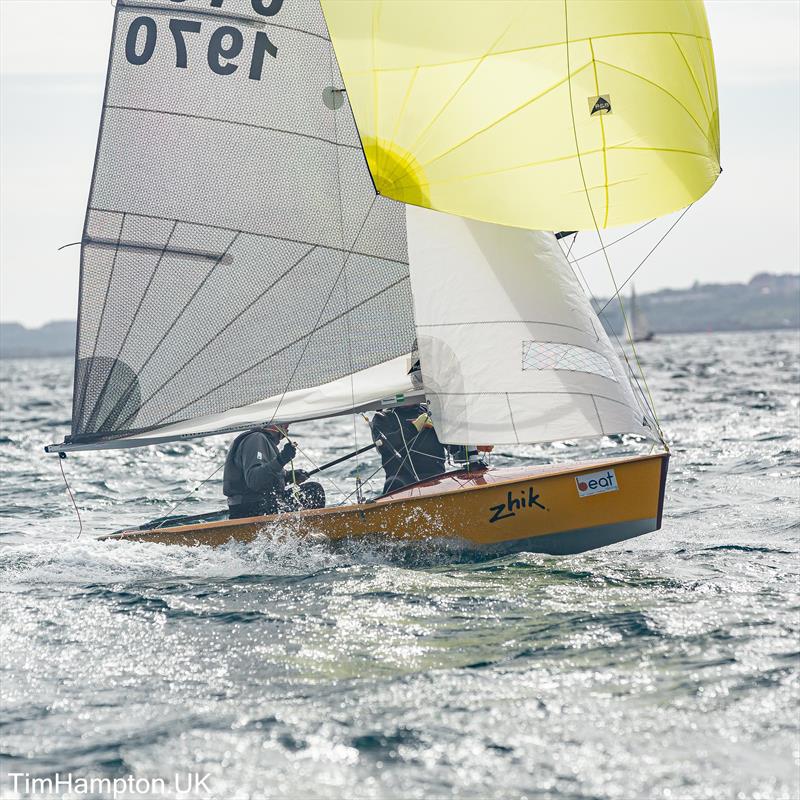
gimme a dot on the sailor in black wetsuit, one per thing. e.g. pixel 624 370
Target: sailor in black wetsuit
pixel 254 480
pixel 410 449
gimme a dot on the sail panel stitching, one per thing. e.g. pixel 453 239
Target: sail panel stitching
pixel 174 322
pixel 93 419
pixel 232 122
pixel 226 326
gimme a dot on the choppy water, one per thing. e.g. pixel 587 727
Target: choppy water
pixel 666 667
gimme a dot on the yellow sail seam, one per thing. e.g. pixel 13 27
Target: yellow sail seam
pixel 403 104
pixel 714 100
pixel 355 73
pixel 602 134
pixel 546 161
pixel 694 80
pixel 507 115
pixel 421 135
pixel 658 149
pixel 702 56
pixel 527 165
pixel 662 89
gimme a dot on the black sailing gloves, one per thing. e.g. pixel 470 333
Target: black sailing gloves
pixel 287 454
pixel 298 476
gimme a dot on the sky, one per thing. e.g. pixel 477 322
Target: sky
pixel 53 56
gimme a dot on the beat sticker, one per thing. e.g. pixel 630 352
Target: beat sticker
pixel 596 483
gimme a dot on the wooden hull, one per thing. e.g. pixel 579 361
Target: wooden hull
pixel 548 509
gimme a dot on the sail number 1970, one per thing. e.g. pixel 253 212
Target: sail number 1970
pixel 224 45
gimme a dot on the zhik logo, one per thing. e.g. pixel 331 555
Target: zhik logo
pixel 514 504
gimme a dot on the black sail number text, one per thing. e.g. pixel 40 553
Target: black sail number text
pixel 224 45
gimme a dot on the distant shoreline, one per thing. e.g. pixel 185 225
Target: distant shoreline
pixel 5 356
pixel 768 302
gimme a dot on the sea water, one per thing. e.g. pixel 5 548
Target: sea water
pixel 663 667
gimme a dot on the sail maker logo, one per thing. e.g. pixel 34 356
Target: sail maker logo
pixel 596 483
pixel 599 104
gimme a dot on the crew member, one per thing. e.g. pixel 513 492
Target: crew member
pixel 254 480
pixel 409 447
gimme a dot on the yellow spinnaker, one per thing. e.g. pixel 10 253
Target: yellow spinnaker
pixel 474 106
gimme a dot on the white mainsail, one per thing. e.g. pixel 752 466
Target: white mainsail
pixel 234 250
pixel 510 348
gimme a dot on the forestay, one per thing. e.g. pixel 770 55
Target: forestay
pixel 234 247
pixel 511 112
pixel 510 349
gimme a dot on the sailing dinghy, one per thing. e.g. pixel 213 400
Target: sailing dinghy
pixel 639 324
pixel 270 239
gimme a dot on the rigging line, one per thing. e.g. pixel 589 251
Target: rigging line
pixel 597 228
pixel 322 311
pixel 669 230
pixel 187 496
pixel 316 466
pixel 409 448
pixel 643 406
pixel 61 458
pixel 572 265
pixel 396 455
pixel 71 244
pixel 572 244
pixel 610 244
pixel 365 480
pixel 602 134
